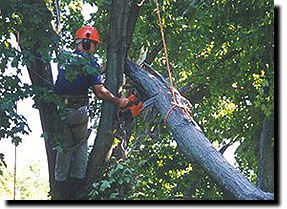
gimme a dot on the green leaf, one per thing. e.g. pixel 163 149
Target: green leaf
pixel 120 181
pixel 114 195
pixel 119 167
pixel 105 184
pixel 127 179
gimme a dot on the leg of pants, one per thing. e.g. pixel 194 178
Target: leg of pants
pixel 62 167
pixel 64 159
pixel 79 161
pixel 75 162
pixel 77 120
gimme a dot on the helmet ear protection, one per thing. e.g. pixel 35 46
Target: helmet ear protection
pixel 86 43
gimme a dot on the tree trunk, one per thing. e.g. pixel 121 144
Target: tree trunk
pixel 133 16
pixel 41 77
pixel 265 174
pixel 122 23
pixel 193 143
pixel 117 52
pixel 120 150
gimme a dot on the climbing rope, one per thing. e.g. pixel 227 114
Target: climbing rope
pixel 185 109
pixel 165 51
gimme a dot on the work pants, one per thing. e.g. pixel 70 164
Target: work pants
pixel 73 163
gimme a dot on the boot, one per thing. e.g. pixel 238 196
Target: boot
pixel 60 190
pixel 77 188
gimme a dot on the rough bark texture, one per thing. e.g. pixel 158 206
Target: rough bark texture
pixel 122 23
pixel 117 51
pixel 47 110
pixel 120 151
pixel 265 174
pixel 193 143
pixel 133 16
pixel 151 56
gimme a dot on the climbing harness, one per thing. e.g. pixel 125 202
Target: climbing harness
pixel 185 109
pixel 75 101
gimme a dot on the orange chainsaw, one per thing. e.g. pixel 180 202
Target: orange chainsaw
pixel 135 108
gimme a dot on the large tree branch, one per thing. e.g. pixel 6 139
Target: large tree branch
pixel 192 141
pixel 132 19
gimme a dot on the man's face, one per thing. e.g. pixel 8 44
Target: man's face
pixel 93 48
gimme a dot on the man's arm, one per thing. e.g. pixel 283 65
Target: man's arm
pixel 105 94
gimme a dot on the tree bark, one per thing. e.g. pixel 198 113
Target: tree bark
pixel 41 76
pixel 193 143
pixel 132 19
pixel 265 174
pixel 117 52
pixel 120 151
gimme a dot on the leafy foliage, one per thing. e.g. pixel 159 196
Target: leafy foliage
pixel 12 123
pixel 30 184
pixel 76 64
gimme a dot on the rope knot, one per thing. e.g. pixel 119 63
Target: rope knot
pixel 187 112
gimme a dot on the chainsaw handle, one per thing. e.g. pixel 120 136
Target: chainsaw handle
pixel 135 107
pixel 133 100
pixel 132 97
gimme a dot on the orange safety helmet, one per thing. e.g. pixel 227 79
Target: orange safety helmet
pixel 88 32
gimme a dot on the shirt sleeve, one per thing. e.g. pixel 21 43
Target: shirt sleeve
pixel 96 79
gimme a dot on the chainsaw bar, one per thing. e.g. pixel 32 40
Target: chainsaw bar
pixel 136 107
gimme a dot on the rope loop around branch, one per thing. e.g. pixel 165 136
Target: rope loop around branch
pixel 184 108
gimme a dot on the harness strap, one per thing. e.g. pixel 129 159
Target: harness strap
pixel 75 101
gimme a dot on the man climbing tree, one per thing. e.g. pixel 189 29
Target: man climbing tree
pixel 71 162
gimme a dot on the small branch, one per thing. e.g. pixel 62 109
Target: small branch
pixel 132 19
pixel 141 3
pixel 151 56
pixel 229 55
pixel 156 73
pixel 185 89
pixel 224 148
